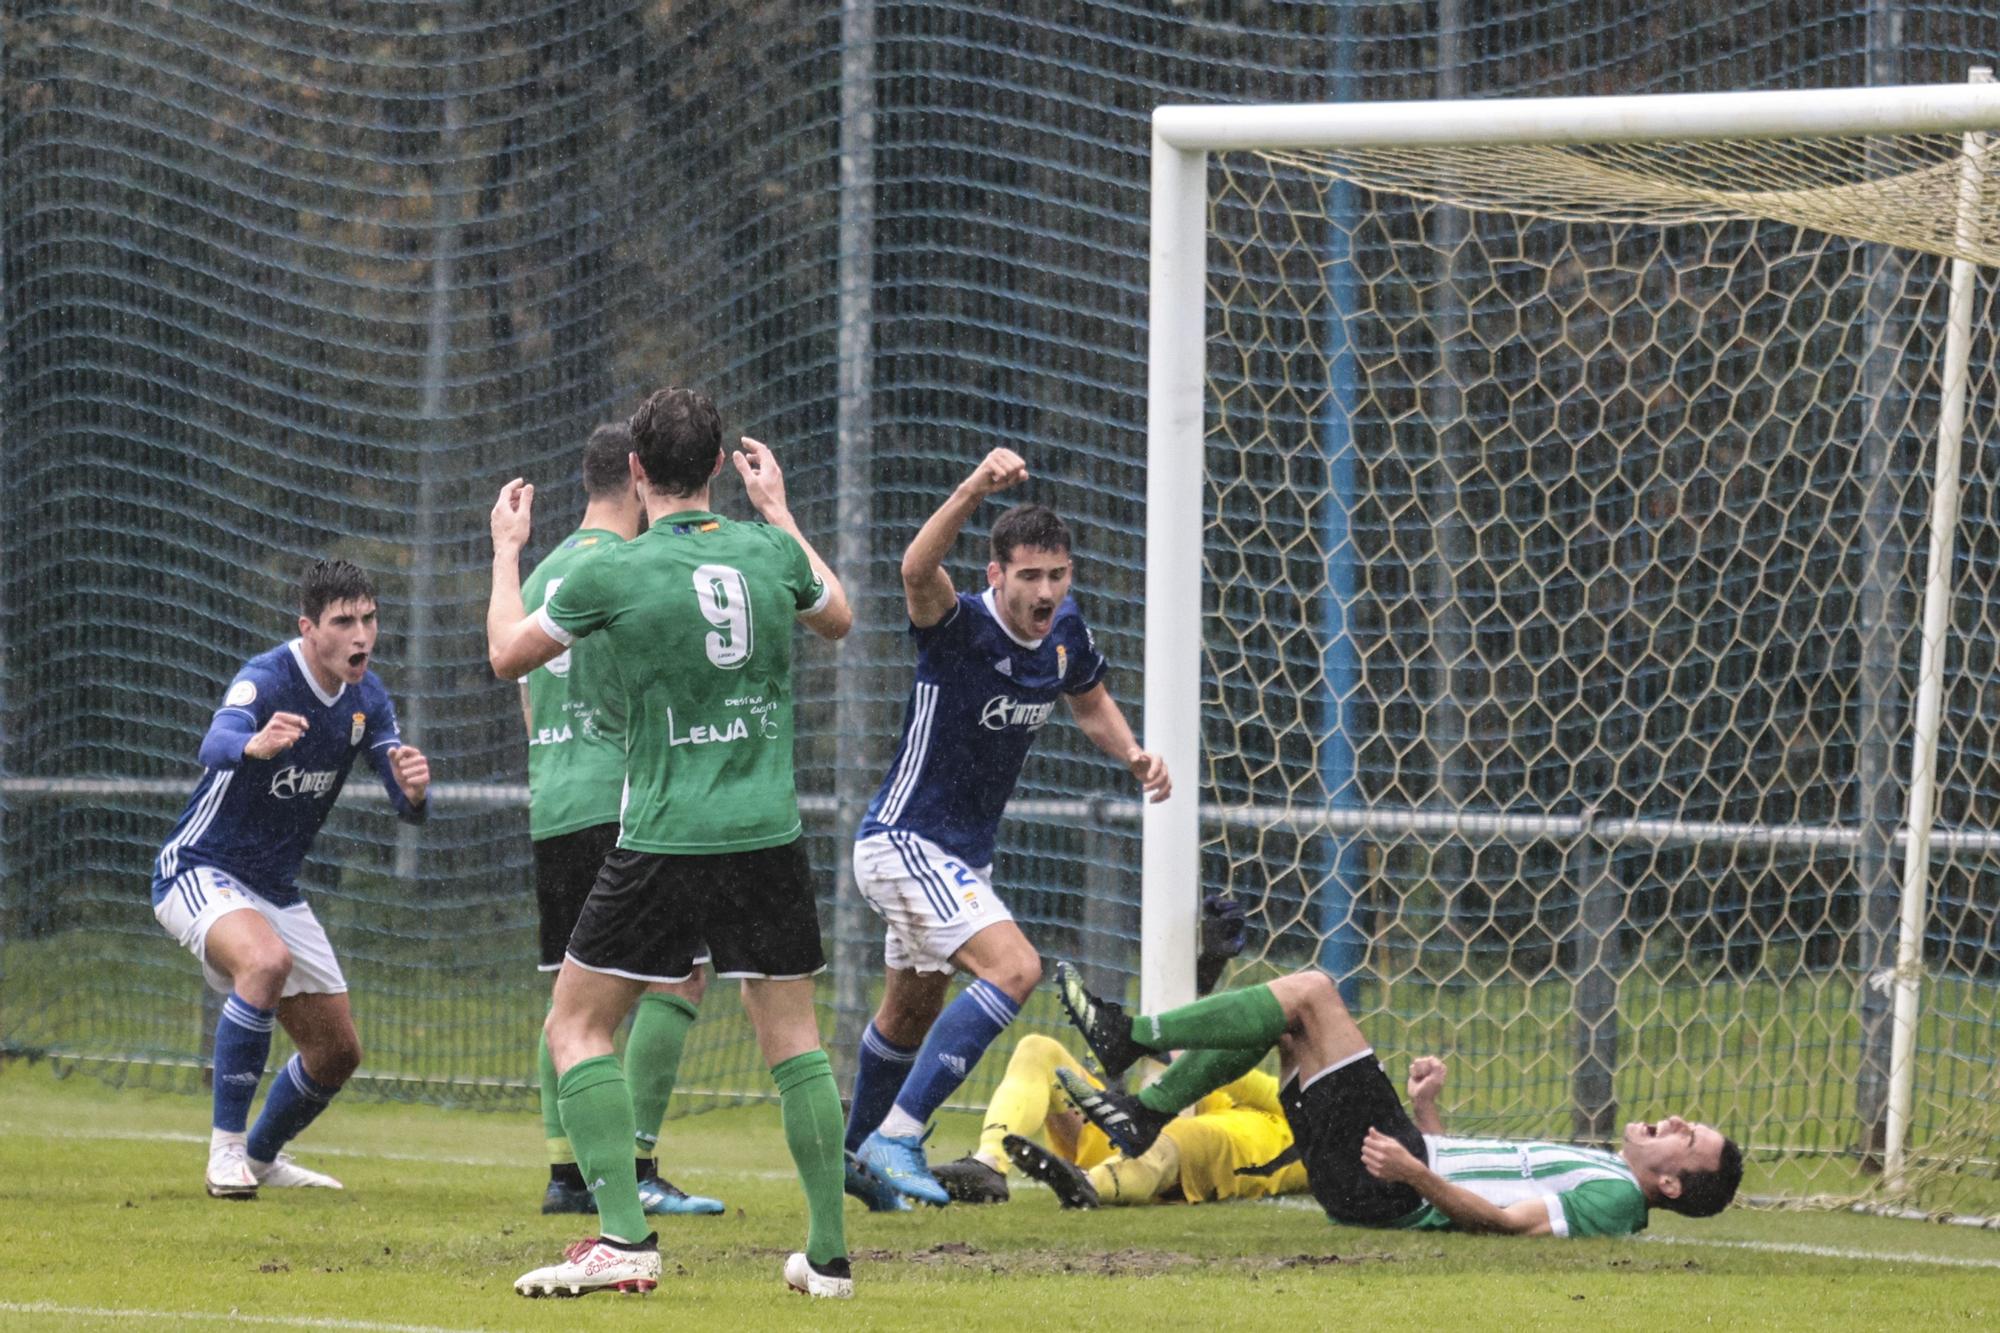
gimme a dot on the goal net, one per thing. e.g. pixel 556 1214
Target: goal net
pixel 1568 507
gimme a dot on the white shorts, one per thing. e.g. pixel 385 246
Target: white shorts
pixel 202 895
pixel 933 902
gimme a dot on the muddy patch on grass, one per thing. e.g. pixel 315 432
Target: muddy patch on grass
pixel 1095 1263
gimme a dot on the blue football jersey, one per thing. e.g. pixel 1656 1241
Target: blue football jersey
pixel 980 696
pixel 256 819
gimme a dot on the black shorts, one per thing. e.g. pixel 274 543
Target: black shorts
pixel 652 917
pixel 565 868
pixel 1329 1121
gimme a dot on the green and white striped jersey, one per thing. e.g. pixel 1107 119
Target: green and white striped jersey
pixel 1589 1192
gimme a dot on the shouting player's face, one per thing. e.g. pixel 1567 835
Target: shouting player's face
pixel 1671 1147
pixel 1029 588
pixel 341 642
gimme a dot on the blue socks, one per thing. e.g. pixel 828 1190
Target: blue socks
pixel 295 1101
pixel 878 1076
pixel 242 1044
pixel 963 1031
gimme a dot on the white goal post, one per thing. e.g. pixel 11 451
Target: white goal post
pixel 1187 283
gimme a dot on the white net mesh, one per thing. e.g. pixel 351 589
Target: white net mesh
pixel 1567 539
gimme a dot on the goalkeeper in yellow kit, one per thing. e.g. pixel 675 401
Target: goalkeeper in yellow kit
pixel 1209 1155
pixel 1212 1154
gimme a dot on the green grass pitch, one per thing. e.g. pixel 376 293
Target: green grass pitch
pixel 105 1226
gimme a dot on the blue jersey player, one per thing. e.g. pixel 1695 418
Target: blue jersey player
pixel 291 724
pixel 990 670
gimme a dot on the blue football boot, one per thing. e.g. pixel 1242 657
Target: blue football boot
pixel 872 1190
pixel 663 1196
pixel 900 1162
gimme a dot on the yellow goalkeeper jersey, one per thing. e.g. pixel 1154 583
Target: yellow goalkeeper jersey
pixel 1236 1126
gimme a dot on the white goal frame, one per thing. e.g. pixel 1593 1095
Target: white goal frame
pixel 1183 139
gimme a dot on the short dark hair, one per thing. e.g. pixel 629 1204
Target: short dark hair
pixel 1028 525
pixel 1706 1193
pixel 604 455
pixel 677 434
pixel 330 581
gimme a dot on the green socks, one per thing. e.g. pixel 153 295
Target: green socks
pixel 652 1065
pixel 552 1130
pixel 653 1062
pixel 1196 1074
pixel 1236 1020
pixel 815 1131
pixel 597 1118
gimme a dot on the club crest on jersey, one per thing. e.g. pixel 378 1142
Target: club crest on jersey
pixel 1062 661
pixel 360 725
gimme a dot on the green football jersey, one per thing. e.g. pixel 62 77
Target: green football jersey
pixel 696 619
pixel 1588 1192
pixel 576 713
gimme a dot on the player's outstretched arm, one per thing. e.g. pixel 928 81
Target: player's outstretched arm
pixel 1426 1081
pixel 515 643
pixel 1387 1159
pixel 1098 714
pixel 927 588
pixel 764 483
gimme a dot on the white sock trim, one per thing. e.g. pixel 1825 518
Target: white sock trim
pixel 899 1124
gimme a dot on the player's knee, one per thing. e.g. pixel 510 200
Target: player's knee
pixel 260 978
pixel 1307 995
pixel 1036 1050
pixel 1018 974
pixel 562 1029
pixel 333 1062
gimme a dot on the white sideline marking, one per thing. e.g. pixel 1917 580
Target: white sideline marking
pixel 316 1150
pixel 524 1163
pixel 1827 1251
pixel 1766 1246
pixel 222 1317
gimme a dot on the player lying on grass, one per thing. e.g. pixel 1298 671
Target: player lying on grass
pixel 1054 1144
pixel 1208 1156
pixel 292 723
pixel 1370 1162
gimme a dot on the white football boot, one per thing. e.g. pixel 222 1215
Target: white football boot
pixel 285 1174
pixel 802 1277
pixel 229 1173
pixel 595 1264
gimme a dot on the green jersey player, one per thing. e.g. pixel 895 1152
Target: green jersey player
pixel 575 713
pixel 1369 1161
pixel 695 619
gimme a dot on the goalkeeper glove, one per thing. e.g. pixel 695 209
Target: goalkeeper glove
pixel 1223 933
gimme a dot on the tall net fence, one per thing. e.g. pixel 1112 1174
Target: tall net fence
pixel 1569 520
pixel 285 280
